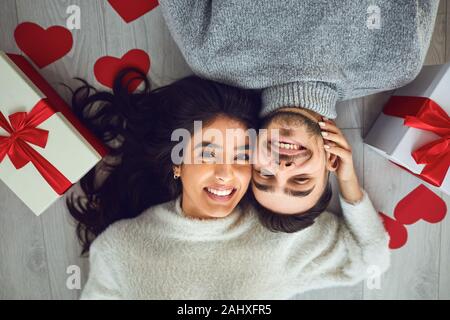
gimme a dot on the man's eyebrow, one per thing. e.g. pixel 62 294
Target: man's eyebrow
pixel 295 193
pixel 289 192
pixel 263 187
pixel 209 144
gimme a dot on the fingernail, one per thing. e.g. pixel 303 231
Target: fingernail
pixel 325 118
pixel 324 133
pixel 326 146
pixel 322 124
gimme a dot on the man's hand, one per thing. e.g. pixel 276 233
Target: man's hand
pixel 335 143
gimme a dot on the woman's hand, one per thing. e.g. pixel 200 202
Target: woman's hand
pixel 335 143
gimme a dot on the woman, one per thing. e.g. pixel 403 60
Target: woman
pixel 203 242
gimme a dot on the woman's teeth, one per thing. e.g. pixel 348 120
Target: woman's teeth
pixel 287 145
pixel 221 193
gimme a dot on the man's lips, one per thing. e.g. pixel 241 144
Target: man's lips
pixel 294 148
pixel 287 140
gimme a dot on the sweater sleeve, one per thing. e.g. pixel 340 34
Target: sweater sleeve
pixel 102 282
pixel 356 249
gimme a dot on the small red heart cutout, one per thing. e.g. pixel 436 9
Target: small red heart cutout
pixel 106 68
pixel 397 232
pixel 421 203
pixel 130 10
pixel 43 46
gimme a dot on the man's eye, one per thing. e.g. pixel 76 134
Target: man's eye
pixel 264 173
pixel 301 180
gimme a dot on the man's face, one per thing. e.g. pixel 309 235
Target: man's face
pixel 296 181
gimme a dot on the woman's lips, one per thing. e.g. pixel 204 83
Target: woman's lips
pixel 220 193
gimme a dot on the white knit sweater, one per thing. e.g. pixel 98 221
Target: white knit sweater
pixel 162 254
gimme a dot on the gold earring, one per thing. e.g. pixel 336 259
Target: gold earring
pixel 175 174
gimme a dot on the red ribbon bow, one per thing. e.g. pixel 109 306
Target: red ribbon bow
pixel 23 132
pixel 423 113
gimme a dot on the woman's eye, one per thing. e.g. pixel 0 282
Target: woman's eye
pixel 242 157
pixel 208 154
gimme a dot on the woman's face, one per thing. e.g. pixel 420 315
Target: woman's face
pixel 216 169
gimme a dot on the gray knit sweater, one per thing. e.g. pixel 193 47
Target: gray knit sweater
pixel 309 53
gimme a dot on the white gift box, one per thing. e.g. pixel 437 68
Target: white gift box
pixel 73 154
pixel 396 141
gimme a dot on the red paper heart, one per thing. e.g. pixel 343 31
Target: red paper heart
pixel 397 232
pixel 43 46
pixel 130 10
pixel 421 203
pixel 106 68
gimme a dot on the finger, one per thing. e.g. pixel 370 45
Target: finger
pixel 329 121
pixel 343 154
pixel 325 119
pixel 337 138
pixel 330 143
pixel 328 126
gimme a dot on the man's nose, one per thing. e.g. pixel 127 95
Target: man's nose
pixel 284 164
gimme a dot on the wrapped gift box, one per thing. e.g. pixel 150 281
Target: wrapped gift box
pixel 44 149
pixel 413 130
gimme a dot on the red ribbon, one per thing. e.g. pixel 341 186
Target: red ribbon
pixel 23 132
pixel 57 102
pixel 423 113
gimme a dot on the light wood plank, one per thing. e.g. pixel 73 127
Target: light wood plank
pixel 62 246
pixel 338 293
pixel 373 105
pixel 444 270
pixel 442 6
pixel 444 275
pixel 447 32
pixel 415 267
pixel 436 51
pixel 8 23
pixel 23 258
pixel 350 113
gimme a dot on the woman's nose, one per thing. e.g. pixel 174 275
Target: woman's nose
pixel 224 172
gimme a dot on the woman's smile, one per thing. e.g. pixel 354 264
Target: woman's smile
pixel 220 193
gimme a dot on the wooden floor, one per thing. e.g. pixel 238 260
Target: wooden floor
pixel 35 252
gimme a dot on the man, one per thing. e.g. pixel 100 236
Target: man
pixel 305 56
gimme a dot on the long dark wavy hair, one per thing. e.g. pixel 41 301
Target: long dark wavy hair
pixel 137 128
